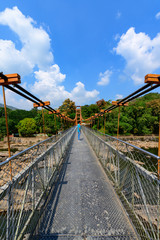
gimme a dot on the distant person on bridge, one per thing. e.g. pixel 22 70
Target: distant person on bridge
pixel 79 130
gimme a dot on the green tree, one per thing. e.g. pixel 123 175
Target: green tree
pixel 68 108
pixel 39 121
pixel 101 103
pixel 27 127
pixel 89 110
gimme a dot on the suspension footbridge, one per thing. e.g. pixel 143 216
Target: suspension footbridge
pixel 97 188
pixel 84 204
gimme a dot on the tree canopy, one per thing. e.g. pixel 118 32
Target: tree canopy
pixel 68 108
pixel 27 127
pixel 140 117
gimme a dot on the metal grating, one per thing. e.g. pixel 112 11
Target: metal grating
pixel 133 172
pixel 69 237
pixel 83 204
pixel 22 198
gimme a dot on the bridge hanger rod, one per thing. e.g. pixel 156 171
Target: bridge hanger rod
pixel 28 98
pixel 131 97
pixel 140 94
pixel 128 99
pixel 137 91
pixel 21 94
pixel 30 94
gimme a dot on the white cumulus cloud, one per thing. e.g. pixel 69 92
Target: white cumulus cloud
pixel 119 96
pixel 104 78
pixel 48 86
pixel 35 41
pixel 13 59
pixel 140 52
pixel 81 96
pixel 35 53
pixel 157 15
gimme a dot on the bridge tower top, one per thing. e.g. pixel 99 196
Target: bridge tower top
pixel 78 115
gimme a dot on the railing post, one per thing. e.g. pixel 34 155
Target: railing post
pixel 45 174
pixel 9 148
pixel 132 187
pixel 55 157
pixel 159 151
pixel 8 235
pixel 33 190
pixel 51 156
pixel 159 139
pixel 118 171
pixel 158 210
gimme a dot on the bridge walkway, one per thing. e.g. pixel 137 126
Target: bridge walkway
pixel 83 204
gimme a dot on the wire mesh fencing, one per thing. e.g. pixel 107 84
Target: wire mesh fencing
pixel 133 172
pixel 32 177
pixel 16 163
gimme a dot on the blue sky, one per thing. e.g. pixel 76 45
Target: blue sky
pixel 84 50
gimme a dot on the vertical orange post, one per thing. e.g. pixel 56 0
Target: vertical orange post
pixel 78 115
pixel 118 123
pixel 104 123
pixel 159 151
pixel 98 123
pixel 9 149
pixel 41 104
pixel 61 124
pixel 44 131
pixel 64 121
pixel 159 139
pixel 55 123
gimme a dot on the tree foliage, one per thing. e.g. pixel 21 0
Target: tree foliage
pixel 27 127
pixel 140 117
pixel 89 110
pixel 68 108
pixel 30 122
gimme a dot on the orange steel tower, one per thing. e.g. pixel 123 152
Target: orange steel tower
pixel 78 115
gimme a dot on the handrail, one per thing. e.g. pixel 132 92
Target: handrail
pixel 23 198
pixel 129 144
pixel 27 149
pixel 133 173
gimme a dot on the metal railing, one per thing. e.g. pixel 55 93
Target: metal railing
pixel 133 172
pixel 22 159
pixel 33 174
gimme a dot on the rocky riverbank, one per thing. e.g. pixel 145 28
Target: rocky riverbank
pixel 141 141
pixel 17 145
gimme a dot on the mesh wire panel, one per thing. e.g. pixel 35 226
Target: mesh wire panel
pixel 23 159
pixel 33 172
pixel 83 204
pixel 133 172
pixel 71 237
